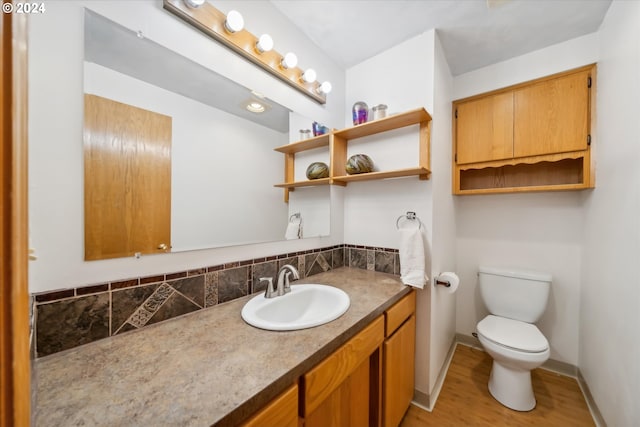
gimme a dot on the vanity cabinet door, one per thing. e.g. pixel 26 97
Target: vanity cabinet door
pixel 399 360
pixel 399 370
pixel 281 412
pixel 344 389
pixel 484 129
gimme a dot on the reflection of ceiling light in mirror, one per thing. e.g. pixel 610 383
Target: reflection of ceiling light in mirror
pixel 290 60
pixel 325 88
pixel 265 43
pixel 255 106
pixel 234 22
pixel 257 94
pixel 309 76
pixel 194 3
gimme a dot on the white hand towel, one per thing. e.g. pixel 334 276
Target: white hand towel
pixel 293 230
pixel 412 265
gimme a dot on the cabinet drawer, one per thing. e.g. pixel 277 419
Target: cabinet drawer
pixel 281 412
pixel 397 314
pixel 322 380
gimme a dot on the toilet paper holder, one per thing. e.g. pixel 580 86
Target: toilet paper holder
pixel 443 283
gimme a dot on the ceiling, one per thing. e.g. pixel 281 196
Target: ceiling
pixel 473 33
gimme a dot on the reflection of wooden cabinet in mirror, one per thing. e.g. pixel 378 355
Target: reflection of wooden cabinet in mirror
pixel 127 180
pixel 338 140
pixel 534 136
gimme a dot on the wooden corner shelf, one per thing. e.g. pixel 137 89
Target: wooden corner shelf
pixel 337 141
pixel 396 121
pixel 307 183
pixel 305 144
pixel 422 173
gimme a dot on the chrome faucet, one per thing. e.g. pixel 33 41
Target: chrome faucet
pixel 282 283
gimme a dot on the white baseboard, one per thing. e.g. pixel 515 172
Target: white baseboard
pixel 593 408
pixel 428 401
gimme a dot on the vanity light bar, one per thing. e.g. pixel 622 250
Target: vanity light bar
pixel 214 23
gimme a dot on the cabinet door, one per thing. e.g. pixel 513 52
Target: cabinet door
pixel 552 116
pixel 281 412
pixel 484 129
pixel 399 369
pixel 347 405
pixel 127 180
pixel 343 389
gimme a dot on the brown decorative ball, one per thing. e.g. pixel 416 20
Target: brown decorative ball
pixel 317 170
pixel 359 163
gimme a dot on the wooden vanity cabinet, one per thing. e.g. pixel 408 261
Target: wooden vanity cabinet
pixel 367 382
pixel 280 412
pixel 344 389
pixel 398 360
pixel 534 136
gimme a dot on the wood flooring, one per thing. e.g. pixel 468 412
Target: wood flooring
pixel 465 399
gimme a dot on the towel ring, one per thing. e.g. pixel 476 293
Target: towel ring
pixel 411 216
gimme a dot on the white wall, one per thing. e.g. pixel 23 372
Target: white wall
pixel 443 304
pixel 536 231
pixel 610 308
pixel 410 75
pixel 55 115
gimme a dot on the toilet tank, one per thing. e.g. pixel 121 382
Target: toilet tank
pixel 519 295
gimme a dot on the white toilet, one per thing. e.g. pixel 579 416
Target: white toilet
pixel 515 299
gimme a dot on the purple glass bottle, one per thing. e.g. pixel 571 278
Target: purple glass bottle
pixel 360 113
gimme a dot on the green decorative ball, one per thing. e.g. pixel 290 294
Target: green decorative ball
pixel 359 163
pixel 317 170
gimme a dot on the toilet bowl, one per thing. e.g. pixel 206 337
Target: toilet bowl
pixel 515 300
pixel 516 349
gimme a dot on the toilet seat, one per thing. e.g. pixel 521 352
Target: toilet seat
pixel 514 334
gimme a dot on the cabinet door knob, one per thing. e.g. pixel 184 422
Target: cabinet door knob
pixel 162 247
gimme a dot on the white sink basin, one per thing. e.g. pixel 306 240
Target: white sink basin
pixel 305 306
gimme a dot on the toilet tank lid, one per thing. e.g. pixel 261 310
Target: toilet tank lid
pixel 520 274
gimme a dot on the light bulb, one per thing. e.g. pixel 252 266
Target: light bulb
pixel 309 76
pixel 325 88
pixel 234 22
pixel 255 107
pixel 194 3
pixel 290 60
pixel 265 43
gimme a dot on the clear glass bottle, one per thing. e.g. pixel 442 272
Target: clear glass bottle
pixel 360 112
pixel 379 111
pixel 305 134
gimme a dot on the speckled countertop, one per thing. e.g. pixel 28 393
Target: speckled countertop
pixel 201 369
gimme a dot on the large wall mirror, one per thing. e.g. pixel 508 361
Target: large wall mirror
pixel 220 159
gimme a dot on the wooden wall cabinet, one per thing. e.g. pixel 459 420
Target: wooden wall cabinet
pixel 535 136
pixel 338 140
pixel 398 360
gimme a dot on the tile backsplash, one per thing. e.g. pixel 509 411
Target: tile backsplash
pixel 67 318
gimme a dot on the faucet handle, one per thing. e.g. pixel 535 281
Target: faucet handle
pixel 269 292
